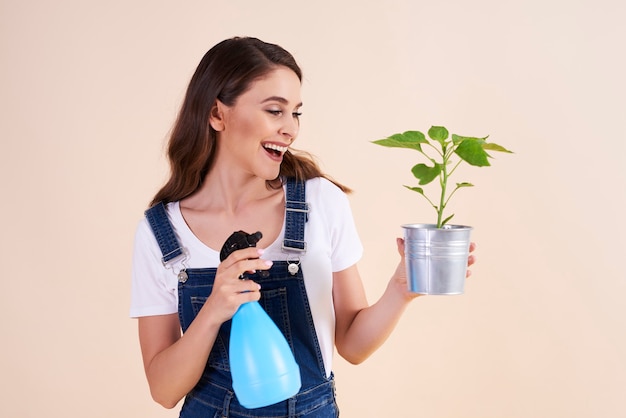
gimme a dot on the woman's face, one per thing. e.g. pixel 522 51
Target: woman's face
pixel 262 123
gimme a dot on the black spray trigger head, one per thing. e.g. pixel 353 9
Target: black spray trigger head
pixel 239 240
pixel 254 238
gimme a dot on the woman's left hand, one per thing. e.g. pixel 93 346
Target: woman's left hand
pixel 471 259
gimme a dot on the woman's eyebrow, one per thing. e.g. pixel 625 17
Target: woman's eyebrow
pixel 280 100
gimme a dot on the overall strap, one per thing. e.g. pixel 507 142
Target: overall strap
pixel 296 215
pixel 164 233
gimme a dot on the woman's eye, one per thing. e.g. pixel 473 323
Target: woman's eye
pixel 276 112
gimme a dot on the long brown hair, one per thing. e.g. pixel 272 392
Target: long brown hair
pixel 225 72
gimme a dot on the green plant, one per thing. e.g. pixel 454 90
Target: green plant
pixel 469 149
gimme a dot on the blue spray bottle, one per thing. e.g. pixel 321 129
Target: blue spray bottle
pixel 262 365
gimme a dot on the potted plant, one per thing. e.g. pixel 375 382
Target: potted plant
pixel 436 253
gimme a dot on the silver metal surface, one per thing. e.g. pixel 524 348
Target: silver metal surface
pixel 436 258
pixel 293 268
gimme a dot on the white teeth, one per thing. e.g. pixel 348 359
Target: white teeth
pixel 275 147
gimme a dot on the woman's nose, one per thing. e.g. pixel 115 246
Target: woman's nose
pixel 290 127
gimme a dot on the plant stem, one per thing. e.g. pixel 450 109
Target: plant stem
pixel 443 181
pixel 455 167
pixel 453 192
pixel 436 150
pixel 442 203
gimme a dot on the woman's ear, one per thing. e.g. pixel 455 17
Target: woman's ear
pixel 216 116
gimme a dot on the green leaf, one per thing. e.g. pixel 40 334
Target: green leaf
pixel 459 185
pixel 495 147
pixel 457 139
pixel 446 220
pixel 426 174
pixel 416 189
pixel 439 134
pixel 408 139
pixel 471 151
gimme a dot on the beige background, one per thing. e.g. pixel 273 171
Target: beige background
pixel 90 89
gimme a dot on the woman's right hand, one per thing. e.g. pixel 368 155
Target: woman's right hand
pixel 174 364
pixel 229 291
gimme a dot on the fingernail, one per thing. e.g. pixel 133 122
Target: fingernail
pixel 260 251
pixel 268 262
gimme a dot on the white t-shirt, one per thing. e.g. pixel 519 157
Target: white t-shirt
pixel 332 241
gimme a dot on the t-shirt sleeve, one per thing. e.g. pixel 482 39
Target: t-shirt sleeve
pixel 346 246
pixel 150 293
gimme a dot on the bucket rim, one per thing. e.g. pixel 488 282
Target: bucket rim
pixel 446 227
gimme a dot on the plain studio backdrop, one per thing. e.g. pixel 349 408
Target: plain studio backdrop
pixel 89 92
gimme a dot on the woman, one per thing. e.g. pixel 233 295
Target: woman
pixel 231 164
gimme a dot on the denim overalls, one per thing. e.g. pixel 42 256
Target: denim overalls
pixel 284 298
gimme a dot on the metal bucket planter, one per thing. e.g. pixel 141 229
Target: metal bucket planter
pixel 436 258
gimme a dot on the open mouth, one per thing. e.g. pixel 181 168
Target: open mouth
pixel 274 149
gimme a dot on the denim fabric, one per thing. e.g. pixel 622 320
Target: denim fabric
pixel 211 400
pixel 284 298
pixel 296 216
pixel 164 233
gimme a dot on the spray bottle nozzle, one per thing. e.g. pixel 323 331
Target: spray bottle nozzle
pixel 238 241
